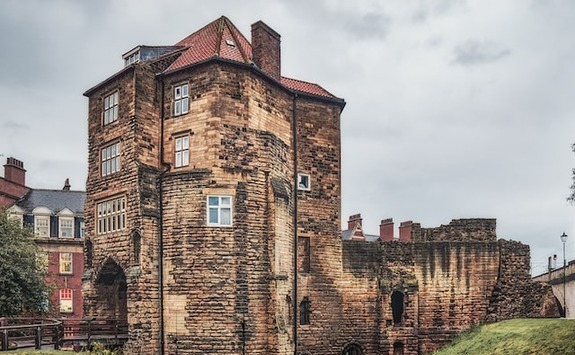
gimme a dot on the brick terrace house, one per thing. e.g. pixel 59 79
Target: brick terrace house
pixel 57 218
pixel 213 218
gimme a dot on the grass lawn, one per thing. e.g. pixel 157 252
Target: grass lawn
pixel 517 337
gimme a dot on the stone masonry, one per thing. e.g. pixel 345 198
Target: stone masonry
pixel 199 232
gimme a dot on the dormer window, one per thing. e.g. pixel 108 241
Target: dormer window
pixel 15 213
pixel 66 223
pixel 42 221
pixel 132 57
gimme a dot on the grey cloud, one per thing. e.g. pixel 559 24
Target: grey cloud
pixel 474 52
pixel 14 126
pixel 372 25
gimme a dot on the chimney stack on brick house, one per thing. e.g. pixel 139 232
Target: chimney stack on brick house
pixel 266 52
pixel 386 230
pixel 14 171
pixel 405 229
pixel 354 220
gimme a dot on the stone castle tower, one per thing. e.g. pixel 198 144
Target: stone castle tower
pixel 205 165
pixel 213 219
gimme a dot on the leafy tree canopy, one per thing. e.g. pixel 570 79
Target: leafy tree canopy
pixel 22 270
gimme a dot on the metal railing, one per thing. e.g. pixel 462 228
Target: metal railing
pixel 29 333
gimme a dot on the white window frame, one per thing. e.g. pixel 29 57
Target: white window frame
pixel 42 221
pixel 219 210
pixel 182 151
pixel 66 223
pixel 111 108
pixel 111 215
pixel 110 161
pixel 66 300
pixel 181 99
pixel 303 182
pixel 66 263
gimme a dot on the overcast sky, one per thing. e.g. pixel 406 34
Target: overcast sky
pixel 455 109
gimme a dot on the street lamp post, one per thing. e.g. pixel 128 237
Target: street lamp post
pixel 564 240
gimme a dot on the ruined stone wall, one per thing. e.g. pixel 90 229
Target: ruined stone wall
pixel 516 295
pixel 444 287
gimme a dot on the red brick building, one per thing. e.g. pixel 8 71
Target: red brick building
pixel 57 218
pixel 213 219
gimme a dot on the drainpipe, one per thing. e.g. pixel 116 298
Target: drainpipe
pixel 161 221
pixel 295 239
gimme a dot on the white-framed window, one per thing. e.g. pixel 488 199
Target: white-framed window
pixel 66 223
pixel 110 108
pixel 110 159
pixel 66 227
pixel 66 300
pixel 182 151
pixel 82 229
pixel 219 211
pixel 42 221
pixel 132 58
pixel 111 215
pixel 181 99
pixel 65 264
pixel 303 182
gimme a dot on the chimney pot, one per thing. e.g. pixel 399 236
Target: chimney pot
pixel 66 185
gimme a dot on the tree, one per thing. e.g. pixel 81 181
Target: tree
pixel 22 287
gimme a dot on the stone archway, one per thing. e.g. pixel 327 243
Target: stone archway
pixel 111 291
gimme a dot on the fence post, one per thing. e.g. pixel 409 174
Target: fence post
pixel 38 340
pixel 4 339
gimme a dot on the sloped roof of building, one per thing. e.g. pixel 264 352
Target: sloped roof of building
pixel 221 39
pixel 55 200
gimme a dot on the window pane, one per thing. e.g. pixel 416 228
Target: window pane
pixel 226 200
pixel 179 143
pixel 185 142
pixel 178 159
pixel 213 215
pixel 185 158
pixel 178 92
pixel 178 107
pixel 226 216
pixel 213 200
pixel 185 90
pixel 184 105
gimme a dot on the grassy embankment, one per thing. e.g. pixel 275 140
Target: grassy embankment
pixel 517 337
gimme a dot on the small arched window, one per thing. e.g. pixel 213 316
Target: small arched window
pixel 397 307
pixel 136 247
pixel 304 311
pixel 352 349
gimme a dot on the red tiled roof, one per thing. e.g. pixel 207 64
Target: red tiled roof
pixel 221 39
pixel 305 87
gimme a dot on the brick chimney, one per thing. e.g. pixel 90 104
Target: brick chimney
pixel 266 49
pixel 14 171
pixel 386 230
pixel 405 229
pixel 354 220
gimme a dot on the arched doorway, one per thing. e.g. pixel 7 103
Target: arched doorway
pixel 112 289
pixel 398 348
pixel 352 349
